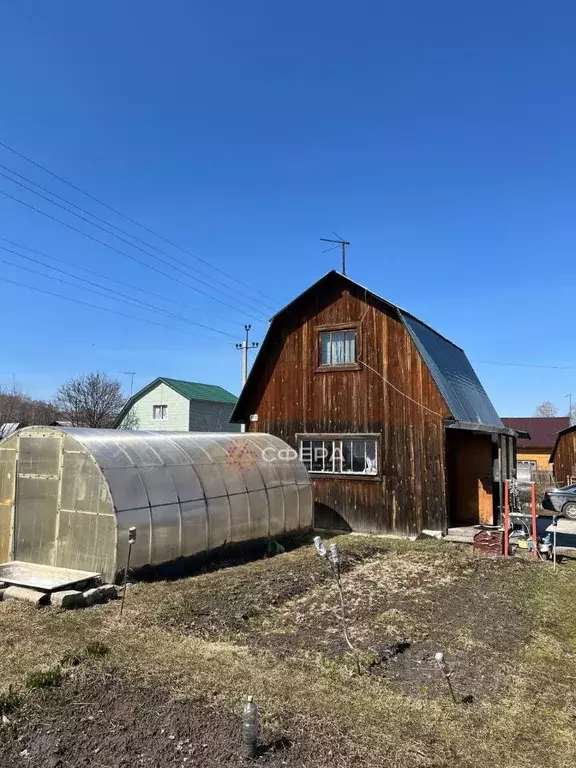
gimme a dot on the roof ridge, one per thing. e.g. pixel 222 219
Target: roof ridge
pixel 189 381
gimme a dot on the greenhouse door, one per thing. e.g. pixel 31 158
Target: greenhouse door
pixel 36 507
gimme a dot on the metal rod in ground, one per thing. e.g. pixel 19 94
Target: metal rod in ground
pixel 131 540
pixel 443 666
pixel 454 699
pixel 554 528
pixel 534 524
pixel 506 516
pixel 345 627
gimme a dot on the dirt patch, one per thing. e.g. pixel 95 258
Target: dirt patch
pixel 100 720
pixel 429 604
pixel 183 658
pixel 219 605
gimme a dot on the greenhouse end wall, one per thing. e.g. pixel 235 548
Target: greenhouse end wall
pixel 68 496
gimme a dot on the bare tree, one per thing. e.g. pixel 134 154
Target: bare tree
pixel 90 400
pixel 17 406
pixel 546 409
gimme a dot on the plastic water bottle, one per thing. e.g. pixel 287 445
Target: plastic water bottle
pixel 320 546
pixel 250 728
pixel 335 554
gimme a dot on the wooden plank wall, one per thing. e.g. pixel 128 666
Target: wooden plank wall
pixel 292 397
pixel 565 458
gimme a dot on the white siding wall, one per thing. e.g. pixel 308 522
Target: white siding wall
pixel 178 410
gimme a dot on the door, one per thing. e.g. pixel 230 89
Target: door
pixel 36 504
pixel 469 464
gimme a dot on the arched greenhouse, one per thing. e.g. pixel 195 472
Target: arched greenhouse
pixel 69 495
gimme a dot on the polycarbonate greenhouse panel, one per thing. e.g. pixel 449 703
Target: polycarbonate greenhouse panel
pixel 292 506
pixel 7 486
pixel 78 491
pixel 39 456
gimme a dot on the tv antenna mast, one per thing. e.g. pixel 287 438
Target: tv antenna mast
pixel 340 242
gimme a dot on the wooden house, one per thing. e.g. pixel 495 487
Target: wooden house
pixel 388 415
pixel 563 456
pixel 534 451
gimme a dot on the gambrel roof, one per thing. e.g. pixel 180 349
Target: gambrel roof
pixel 451 370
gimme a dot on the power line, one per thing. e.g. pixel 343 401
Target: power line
pixel 132 245
pixel 122 253
pixel 99 293
pixel 106 277
pixel 124 232
pixel 125 297
pixel 106 309
pixel 527 365
pixel 132 221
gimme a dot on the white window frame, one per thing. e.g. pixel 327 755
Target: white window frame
pixel 533 466
pixel 333 460
pixel 349 344
pixel 163 412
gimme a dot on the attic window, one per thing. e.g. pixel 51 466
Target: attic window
pixel 338 347
pixel 159 412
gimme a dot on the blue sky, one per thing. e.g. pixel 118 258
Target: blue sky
pixel 437 137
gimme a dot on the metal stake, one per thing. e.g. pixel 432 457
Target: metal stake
pixel 131 540
pixel 444 668
pixel 554 526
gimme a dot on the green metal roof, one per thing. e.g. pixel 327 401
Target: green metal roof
pixel 193 390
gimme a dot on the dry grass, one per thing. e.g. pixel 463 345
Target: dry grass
pixel 269 628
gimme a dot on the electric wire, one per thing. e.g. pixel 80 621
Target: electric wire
pixel 132 245
pixel 104 277
pixel 107 309
pixel 132 221
pixel 124 232
pixel 527 365
pixel 170 299
pixel 125 297
pixel 122 253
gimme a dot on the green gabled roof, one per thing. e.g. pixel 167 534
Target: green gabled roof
pixel 193 390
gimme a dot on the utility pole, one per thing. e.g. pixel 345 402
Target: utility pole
pixel 569 396
pixel 131 374
pixel 340 242
pixel 245 346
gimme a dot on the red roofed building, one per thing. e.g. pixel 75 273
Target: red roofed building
pixel 535 453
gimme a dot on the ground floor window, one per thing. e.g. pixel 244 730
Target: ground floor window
pixel 340 454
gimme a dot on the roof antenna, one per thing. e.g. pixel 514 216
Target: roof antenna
pixel 340 242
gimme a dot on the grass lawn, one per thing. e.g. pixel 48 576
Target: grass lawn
pixel 165 685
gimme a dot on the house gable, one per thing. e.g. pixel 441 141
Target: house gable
pixel 387 353
pixel 141 414
pixel 211 404
pixel 391 394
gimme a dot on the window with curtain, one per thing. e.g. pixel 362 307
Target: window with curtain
pixel 159 412
pixel 338 347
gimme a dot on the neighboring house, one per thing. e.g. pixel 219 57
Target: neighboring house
pixel 179 406
pixel 534 452
pixel 388 415
pixel 563 456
